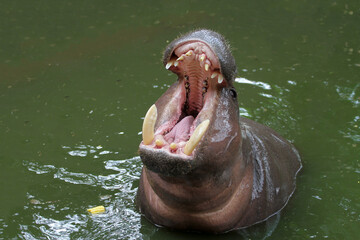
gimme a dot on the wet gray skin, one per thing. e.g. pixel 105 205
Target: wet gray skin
pixel 239 174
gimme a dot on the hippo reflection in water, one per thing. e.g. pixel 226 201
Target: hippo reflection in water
pixel 205 167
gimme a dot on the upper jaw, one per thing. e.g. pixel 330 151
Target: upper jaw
pixel 215 42
pixel 195 51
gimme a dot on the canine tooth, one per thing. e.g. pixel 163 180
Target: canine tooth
pixel 196 137
pixel 189 53
pixel 220 78
pixel 176 63
pixel 206 67
pixel 214 75
pixel 202 57
pixel 149 124
pixel 169 64
pixel 180 58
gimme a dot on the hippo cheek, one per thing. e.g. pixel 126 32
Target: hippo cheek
pixel 221 144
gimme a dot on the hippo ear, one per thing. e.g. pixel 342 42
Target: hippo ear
pixel 233 92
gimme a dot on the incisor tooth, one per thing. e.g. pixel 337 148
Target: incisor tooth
pixel 149 124
pixel 196 137
pixel 202 58
pixel 189 53
pixel 159 143
pixel 173 146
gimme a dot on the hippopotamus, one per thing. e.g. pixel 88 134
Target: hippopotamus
pixel 206 168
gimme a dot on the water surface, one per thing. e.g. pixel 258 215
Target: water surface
pixel 76 79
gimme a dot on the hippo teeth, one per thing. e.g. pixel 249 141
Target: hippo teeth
pixel 196 137
pixel 169 64
pixel 206 67
pixel 149 124
pixel 219 76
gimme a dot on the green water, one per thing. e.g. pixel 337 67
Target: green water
pixel 76 78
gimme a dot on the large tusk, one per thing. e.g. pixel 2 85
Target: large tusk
pixel 149 124
pixel 196 137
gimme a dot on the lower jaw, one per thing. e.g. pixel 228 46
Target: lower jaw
pixel 165 163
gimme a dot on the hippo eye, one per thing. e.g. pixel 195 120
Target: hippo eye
pixel 233 92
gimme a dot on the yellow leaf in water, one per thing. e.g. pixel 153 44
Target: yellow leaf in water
pixel 95 210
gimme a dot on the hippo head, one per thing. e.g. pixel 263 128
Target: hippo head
pixel 193 128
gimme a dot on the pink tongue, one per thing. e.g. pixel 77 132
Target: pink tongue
pixel 181 130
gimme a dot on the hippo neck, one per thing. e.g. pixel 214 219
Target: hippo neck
pixel 195 193
pixel 203 214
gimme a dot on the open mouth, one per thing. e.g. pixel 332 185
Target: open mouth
pixel 198 69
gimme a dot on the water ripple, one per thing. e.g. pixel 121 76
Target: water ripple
pixel 128 171
pixel 254 83
pixel 350 94
pixel 64 220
